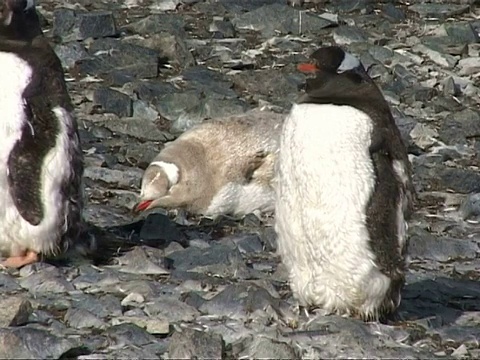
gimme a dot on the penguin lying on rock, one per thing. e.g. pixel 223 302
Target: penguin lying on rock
pixel 344 192
pixel 40 156
pixel 222 166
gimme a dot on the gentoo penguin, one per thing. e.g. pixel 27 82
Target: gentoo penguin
pixel 343 192
pixel 222 166
pixel 41 162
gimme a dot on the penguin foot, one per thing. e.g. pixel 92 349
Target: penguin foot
pixel 30 257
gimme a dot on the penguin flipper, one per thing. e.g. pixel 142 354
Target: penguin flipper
pixel 26 159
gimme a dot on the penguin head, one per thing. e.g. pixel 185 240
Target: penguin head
pixel 332 60
pixel 155 185
pixel 20 20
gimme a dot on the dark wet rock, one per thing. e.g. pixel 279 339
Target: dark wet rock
pixel 73 25
pixel 423 245
pixel 14 311
pixel 271 19
pixel 441 11
pixel 192 343
pixel 113 101
pixel 27 343
pixel 160 227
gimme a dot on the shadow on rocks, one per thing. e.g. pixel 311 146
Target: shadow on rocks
pixel 434 303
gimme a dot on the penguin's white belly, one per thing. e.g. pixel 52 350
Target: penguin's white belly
pixel 242 199
pixel 16 234
pixel 325 178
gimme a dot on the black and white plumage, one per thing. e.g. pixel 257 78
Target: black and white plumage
pixel 343 192
pixel 41 163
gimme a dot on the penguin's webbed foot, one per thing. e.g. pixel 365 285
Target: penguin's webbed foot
pixel 29 257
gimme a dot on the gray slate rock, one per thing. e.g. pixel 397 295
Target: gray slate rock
pixel 423 245
pixel 158 23
pixel 83 319
pixel 113 101
pixel 73 25
pixel 172 309
pixel 262 347
pixel 244 301
pixel 219 259
pixel 271 19
pixel 192 343
pixel 440 11
pixel 28 343
pixel 109 56
pixel 460 180
pixel 128 333
pixel 14 311
pixel 70 53
pixel 460 126
pixel 160 227
pixel 46 281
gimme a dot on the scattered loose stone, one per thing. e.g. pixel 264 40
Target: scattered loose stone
pixel 202 345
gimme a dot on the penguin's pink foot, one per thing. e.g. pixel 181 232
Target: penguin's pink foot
pixel 30 257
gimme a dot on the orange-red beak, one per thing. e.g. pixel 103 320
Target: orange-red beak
pixel 142 205
pixel 307 68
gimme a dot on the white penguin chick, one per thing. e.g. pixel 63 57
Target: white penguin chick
pixel 344 191
pixel 222 166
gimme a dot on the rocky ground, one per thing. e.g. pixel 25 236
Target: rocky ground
pixel 170 286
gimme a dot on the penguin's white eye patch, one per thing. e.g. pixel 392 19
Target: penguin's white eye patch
pixel 349 62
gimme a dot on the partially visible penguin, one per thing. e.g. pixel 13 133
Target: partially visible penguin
pixel 222 166
pixel 344 192
pixel 41 163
